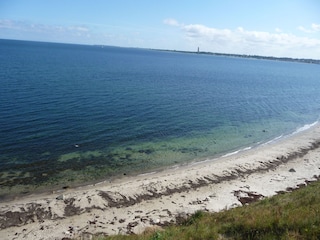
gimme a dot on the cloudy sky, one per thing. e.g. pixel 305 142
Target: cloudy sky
pixel 281 28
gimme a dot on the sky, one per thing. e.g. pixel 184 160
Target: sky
pixel 279 28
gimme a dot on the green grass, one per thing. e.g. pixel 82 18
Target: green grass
pixel 293 215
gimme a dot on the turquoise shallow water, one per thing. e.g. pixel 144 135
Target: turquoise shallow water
pixel 73 114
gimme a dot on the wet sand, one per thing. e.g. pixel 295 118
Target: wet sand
pixel 131 204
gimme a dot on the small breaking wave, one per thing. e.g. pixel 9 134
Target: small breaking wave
pixel 298 130
pixel 305 127
pixel 236 152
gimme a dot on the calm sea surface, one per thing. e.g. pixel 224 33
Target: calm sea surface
pixel 72 114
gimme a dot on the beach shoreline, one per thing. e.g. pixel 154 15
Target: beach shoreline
pixel 132 203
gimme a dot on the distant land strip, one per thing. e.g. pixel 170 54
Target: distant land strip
pixel 287 59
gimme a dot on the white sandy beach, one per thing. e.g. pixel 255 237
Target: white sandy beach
pixel 131 204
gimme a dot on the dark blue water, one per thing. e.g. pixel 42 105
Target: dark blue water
pixel 71 114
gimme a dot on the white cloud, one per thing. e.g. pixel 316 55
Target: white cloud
pixel 197 30
pixel 10 24
pixel 303 29
pixel 171 22
pixel 55 32
pixel 313 28
pixel 278 30
pixel 78 29
pixel 244 41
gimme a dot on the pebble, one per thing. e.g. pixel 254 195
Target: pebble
pixel 60 197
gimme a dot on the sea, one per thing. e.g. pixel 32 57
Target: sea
pixel 73 115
